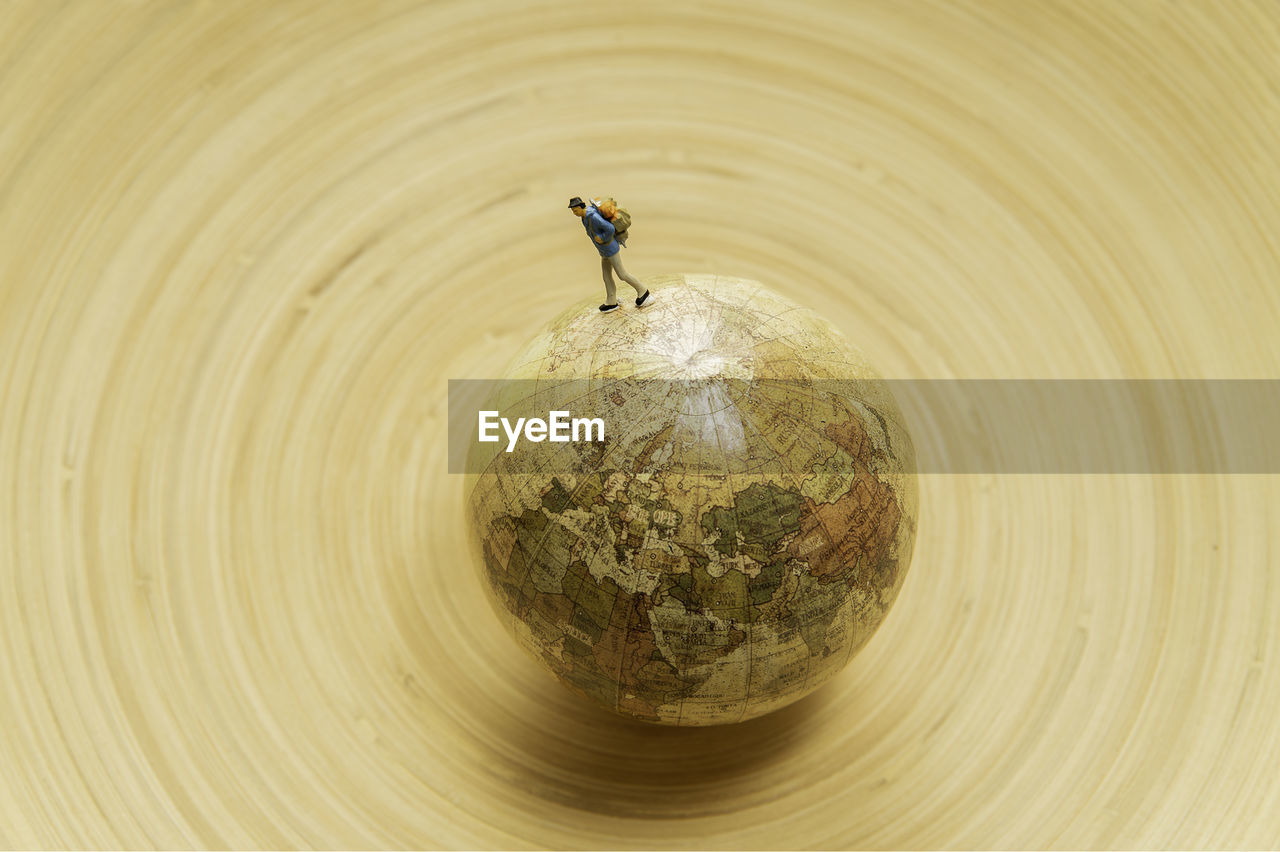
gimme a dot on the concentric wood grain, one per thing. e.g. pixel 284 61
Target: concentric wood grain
pixel 243 245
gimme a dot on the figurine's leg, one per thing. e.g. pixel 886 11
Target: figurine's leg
pixel 616 263
pixel 610 290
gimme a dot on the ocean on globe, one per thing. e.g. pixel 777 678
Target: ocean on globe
pixel 737 536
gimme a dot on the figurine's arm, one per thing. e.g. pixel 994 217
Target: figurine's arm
pixel 602 229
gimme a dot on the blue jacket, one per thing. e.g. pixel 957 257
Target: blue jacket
pixel 598 226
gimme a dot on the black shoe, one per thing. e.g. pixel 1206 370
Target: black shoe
pixel 604 309
pixel 643 300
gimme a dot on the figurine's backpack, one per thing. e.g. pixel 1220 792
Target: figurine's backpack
pixel 621 221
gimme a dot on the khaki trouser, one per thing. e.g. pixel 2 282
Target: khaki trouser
pixel 610 265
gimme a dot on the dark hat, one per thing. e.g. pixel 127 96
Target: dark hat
pixel 576 202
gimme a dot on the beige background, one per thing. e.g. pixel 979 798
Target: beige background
pixel 244 245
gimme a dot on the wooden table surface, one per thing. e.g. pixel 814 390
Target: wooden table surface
pixel 243 245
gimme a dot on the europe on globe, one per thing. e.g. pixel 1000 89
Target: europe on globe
pixel 738 534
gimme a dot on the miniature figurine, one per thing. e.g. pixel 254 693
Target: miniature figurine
pixel 603 234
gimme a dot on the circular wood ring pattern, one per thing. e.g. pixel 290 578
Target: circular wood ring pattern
pixel 244 245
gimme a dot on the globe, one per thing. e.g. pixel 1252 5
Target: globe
pixel 739 533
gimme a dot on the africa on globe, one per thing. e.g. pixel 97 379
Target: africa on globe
pixel 737 536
